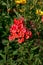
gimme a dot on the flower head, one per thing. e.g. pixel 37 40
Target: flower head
pixel 39 12
pixel 19 31
pixel 20 1
pixel 20 40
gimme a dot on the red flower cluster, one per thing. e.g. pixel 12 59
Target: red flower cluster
pixel 19 31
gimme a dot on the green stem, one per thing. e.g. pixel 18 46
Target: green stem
pixel 18 15
pixel 7 53
pixel 8 6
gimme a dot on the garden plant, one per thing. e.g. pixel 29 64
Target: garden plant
pixel 21 32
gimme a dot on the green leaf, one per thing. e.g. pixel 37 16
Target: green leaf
pixel 31 56
pixel 2 55
pixel 34 48
pixel 3 3
pixel 5 42
pixel 15 52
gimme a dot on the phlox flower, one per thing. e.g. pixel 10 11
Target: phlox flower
pixel 19 31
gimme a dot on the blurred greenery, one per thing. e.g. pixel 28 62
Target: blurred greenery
pixel 31 51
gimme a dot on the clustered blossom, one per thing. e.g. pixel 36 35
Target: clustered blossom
pixel 19 31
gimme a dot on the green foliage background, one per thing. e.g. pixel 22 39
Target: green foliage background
pixel 31 51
